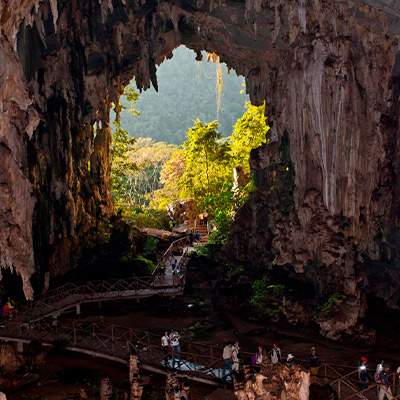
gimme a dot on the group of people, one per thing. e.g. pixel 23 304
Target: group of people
pixel 194 237
pixel 231 357
pixel 381 377
pixel 7 309
pixel 170 341
pixel 203 218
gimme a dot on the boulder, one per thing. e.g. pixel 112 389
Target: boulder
pixel 10 359
pixel 182 213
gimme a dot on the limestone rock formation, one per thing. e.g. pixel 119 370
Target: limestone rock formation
pixel 183 213
pixel 176 388
pixel 10 359
pixel 327 181
pixel 274 382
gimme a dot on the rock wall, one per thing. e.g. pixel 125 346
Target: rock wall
pixel 327 179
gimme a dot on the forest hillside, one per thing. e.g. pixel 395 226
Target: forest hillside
pixel 188 90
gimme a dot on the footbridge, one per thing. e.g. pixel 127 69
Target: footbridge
pixel 171 283
pixel 197 361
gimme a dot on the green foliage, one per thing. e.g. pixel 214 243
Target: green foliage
pixel 122 166
pixel 249 132
pixel 199 329
pixel 186 90
pixel 148 218
pixel 151 246
pixel 267 298
pixel 207 163
pixel 150 266
pixel 327 307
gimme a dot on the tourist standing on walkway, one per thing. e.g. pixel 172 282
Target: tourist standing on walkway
pixel 362 374
pixel 174 338
pixel 227 357
pixel 384 387
pixel 290 359
pixel 191 238
pixel 257 358
pixel 201 218
pixel 197 235
pixel 314 365
pixel 275 354
pixel 166 346
pixel 379 369
pixel 235 356
pixel 205 217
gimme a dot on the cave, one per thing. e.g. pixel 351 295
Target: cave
pixel 326 208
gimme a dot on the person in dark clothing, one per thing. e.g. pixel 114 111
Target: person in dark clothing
pixel 314 365
pixel 384 387
pixel 363 374
pixel 191 238
pixel 197 236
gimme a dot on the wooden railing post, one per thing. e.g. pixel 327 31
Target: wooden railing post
pixel 74 330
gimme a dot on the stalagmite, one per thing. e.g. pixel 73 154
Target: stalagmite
pixel 134 379
pixel 106 390
pixel 176 388
pixel 274 382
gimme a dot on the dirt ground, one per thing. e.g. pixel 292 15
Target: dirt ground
pixel 64 373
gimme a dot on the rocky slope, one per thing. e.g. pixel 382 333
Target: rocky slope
pixel 327 180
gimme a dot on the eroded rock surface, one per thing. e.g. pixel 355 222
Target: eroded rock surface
pixel 274 382
pixel 327 179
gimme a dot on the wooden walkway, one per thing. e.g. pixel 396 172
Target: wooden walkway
pixel 170 284
pixel 197 361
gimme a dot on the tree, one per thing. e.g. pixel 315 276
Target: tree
pixel 208 162
pixel 250 131
pixel 123 144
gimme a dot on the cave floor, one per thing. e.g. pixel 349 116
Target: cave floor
pixel 64 372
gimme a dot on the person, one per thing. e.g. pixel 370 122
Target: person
pixel 165 346
pixel 197 235
pixel 290 359
pixel 314 365
pixel 384 387
pixel 174 338
pixel 257 358
pixel 275 354
pixel 6 310
pixel 227 357
pixel 173 265
pixel 201 218
pixel 362 374
pixel 191 238
pixel 378 370
pixel 205 217
pixel 235 356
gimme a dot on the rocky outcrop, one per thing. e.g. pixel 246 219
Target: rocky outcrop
pixel 183 214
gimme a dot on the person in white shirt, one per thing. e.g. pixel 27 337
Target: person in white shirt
pixel 227 356
pixel 174 337
pixel 165 345
pixel 235 356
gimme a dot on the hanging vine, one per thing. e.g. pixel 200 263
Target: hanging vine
pixel 219 85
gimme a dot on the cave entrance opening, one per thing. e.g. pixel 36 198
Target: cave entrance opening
pixel 191 140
